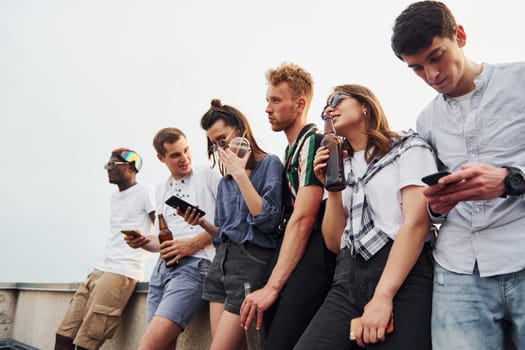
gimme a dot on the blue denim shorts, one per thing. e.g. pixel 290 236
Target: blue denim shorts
pixel 175 291
pixel 232 267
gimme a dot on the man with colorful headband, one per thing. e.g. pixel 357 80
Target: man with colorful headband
pixel 95 309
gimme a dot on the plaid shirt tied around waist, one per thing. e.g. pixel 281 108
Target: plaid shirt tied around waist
pixel 363 237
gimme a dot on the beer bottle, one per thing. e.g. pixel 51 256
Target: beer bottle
pixel 335 174
pixel 252 334
pixel 164 232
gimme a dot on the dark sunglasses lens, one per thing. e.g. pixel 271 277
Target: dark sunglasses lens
pixel 335 100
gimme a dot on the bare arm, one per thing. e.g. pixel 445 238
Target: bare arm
pixel 404 253
pixel 174 250
pixel 149 242
pixel 296 237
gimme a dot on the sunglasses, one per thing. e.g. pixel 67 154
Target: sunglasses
pixel 336 99
pixel 222 142
pixel 113 164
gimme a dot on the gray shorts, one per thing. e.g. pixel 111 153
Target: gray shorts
pixel 175 292
pixel 233 266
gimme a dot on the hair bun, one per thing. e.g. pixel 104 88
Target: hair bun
pixel 216 103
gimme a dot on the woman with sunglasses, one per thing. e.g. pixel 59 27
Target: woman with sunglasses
pixel 247 214
pixel 380 228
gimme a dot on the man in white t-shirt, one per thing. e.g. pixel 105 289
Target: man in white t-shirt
pixel 94 312
pixel 175 287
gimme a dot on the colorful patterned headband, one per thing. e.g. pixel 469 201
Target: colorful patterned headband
pixel 129 156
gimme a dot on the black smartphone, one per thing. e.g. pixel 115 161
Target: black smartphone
pixel 432 179
pixel 175 202
pixel 133 233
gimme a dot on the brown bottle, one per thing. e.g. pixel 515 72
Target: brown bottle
pixel 335 173
pixel 164 232
pixel 253 335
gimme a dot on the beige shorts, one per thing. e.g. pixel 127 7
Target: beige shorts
pixel 94 311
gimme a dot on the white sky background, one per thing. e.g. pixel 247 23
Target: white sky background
pixel 80 78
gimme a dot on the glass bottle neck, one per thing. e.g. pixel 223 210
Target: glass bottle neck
pixel 162 222
pixel 329 125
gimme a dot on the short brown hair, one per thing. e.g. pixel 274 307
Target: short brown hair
pixel 418 24
pixel 169 135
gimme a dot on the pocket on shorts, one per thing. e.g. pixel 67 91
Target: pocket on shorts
pixel 257 254
pixel 203 265
pixel 102 321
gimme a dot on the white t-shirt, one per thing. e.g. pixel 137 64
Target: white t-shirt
pixel 198 188
pixel 129 210
pixel 383 191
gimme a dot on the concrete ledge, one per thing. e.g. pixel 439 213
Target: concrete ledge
pixel 31 312
pixel 142 287
pixel 9 344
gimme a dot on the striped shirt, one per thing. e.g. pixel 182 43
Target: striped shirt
pixel 299 165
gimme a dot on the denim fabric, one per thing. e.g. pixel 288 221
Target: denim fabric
pixel 233 266
pixel 469 310
pixel 232 217
pixel 355 280
pixel 175 291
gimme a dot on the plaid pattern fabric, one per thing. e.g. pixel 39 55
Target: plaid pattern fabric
pixel 362 237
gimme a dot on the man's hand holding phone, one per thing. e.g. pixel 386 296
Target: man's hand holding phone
pixel 433 179
pixel 182 206
pixel 436 190
pixel 134 238
pixel 472 182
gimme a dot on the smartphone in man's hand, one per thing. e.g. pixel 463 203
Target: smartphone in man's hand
pixel 175 202
pixel 133 233
pixel 432 179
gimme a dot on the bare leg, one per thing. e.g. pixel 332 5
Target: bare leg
pixel 216 310
pixel 161 334
pixel 228 334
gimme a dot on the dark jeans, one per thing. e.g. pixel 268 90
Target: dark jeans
pixel 354 283
pixel 301 297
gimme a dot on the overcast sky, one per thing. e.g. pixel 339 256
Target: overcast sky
pixel 80 78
